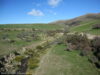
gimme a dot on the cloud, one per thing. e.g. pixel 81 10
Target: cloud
pixel 35 12
pixel 54 3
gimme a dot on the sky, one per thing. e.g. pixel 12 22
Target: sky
pixel 44 11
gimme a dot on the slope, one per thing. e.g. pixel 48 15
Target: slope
pixel 87 27
pixel 78 20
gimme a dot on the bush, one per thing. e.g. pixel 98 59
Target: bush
pixel 51 33
pixel 33 63
pixel 39 47
pixel 83 53
pixel 18 58
pixel 93 59
pixel 12 41
pixel 95 43
pixel 16 53
pixel 96 26
pixel 78 42
pixel 29 52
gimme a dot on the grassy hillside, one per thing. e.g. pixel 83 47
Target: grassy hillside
pixel 87 27
pixel 28 38
pixel 76 21
pixel 60 62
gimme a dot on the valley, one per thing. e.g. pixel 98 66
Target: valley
pixel 59 48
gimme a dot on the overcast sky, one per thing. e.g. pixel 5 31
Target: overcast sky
pixel 44 11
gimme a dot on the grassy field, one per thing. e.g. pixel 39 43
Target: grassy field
pixel 87 28
pixel 36 26
pixel 6 47
pixel 60 62
pixel 56 61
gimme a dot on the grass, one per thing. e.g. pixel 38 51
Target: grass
pixel 6 47
pixel 36 26
pixel 87 27
pixel 60 62
pixel 95 31
pixel 56 61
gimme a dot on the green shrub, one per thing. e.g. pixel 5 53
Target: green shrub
pixel 96 26
pixel 33 63
pixel 39 47
pixel 18 58
pixel 29 52
pixel 78 42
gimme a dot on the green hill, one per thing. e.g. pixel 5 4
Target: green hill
pixel 78 20
pixel 87 27
pixel 42 45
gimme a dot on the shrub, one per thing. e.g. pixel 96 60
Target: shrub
pixel 18 58
pixel 78 42
pixel 29 52
pixel 96 26
pixel 33 63
pixel 39 47
pixel 16 53
pixel 93 59
pixel 28 40
pixel 51 33
pixel 12 41
pixel 95 43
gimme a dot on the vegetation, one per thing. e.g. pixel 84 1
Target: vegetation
pixel 35 26
pixel 87 28
pixel 19 58
pixel 78 42
pixel 96 26
pixel 33 63
pixel 96 51
pixel 15 40
pixel 66 48
pixel 58 61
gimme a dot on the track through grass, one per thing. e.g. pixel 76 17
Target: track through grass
pixel 60 62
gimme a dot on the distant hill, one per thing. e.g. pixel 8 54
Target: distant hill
pixel 79 20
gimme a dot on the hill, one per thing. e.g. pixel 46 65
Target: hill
pixel 40 49
pixel 87 27
pixel 79 20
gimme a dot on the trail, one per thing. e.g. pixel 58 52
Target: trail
pixel 89 36
pixel 24 62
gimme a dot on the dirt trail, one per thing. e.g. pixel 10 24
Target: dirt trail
pixel 41 42
pixel 90 36
pixel 42 62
